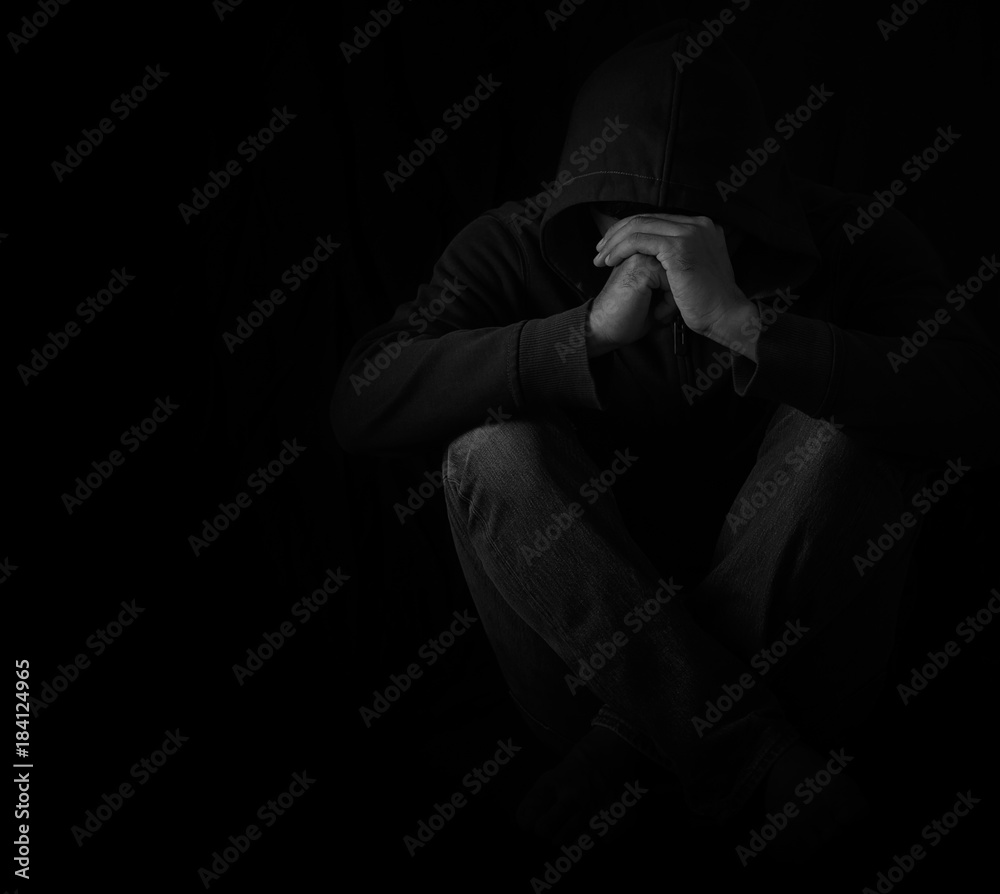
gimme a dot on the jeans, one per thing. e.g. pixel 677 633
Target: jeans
pixel 568 540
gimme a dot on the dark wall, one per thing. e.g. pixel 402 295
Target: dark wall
pixel 322 177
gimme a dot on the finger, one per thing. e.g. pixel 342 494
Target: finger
pixel 641 223
pixel 649 225
pixel 655 281
pixel 653 244
pixel 640 219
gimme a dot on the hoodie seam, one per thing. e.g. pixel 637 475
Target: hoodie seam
pixel 513 365
pixel 625 173
pixel 833 385
pixel 668 149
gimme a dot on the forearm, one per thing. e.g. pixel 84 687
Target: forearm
pixel 400 390
pixel 941 402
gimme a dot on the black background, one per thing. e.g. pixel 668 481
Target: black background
pixel 323 177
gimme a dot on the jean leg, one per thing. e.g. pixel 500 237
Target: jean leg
pixel 786 556
pixel 506 482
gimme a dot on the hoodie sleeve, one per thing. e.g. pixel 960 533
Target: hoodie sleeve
pixel 910 370
pixel 462 352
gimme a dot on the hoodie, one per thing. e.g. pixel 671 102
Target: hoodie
pixel 498 330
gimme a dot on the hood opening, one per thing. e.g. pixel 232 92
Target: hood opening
pixel 644 133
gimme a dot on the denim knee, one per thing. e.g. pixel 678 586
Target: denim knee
pixel 813 450
pixel 501 454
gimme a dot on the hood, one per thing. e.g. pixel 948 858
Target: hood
pixel 643 131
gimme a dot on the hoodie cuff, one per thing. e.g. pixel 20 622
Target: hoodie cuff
pixel 795 356
pixel 552 361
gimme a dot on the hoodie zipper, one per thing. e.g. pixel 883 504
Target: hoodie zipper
pixel 682 352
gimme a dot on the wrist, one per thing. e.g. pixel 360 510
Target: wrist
pixel 596 343
pixel 738 329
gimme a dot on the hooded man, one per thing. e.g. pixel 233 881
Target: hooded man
pixel 713 338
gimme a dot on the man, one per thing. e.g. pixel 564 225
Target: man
pixel 707 426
